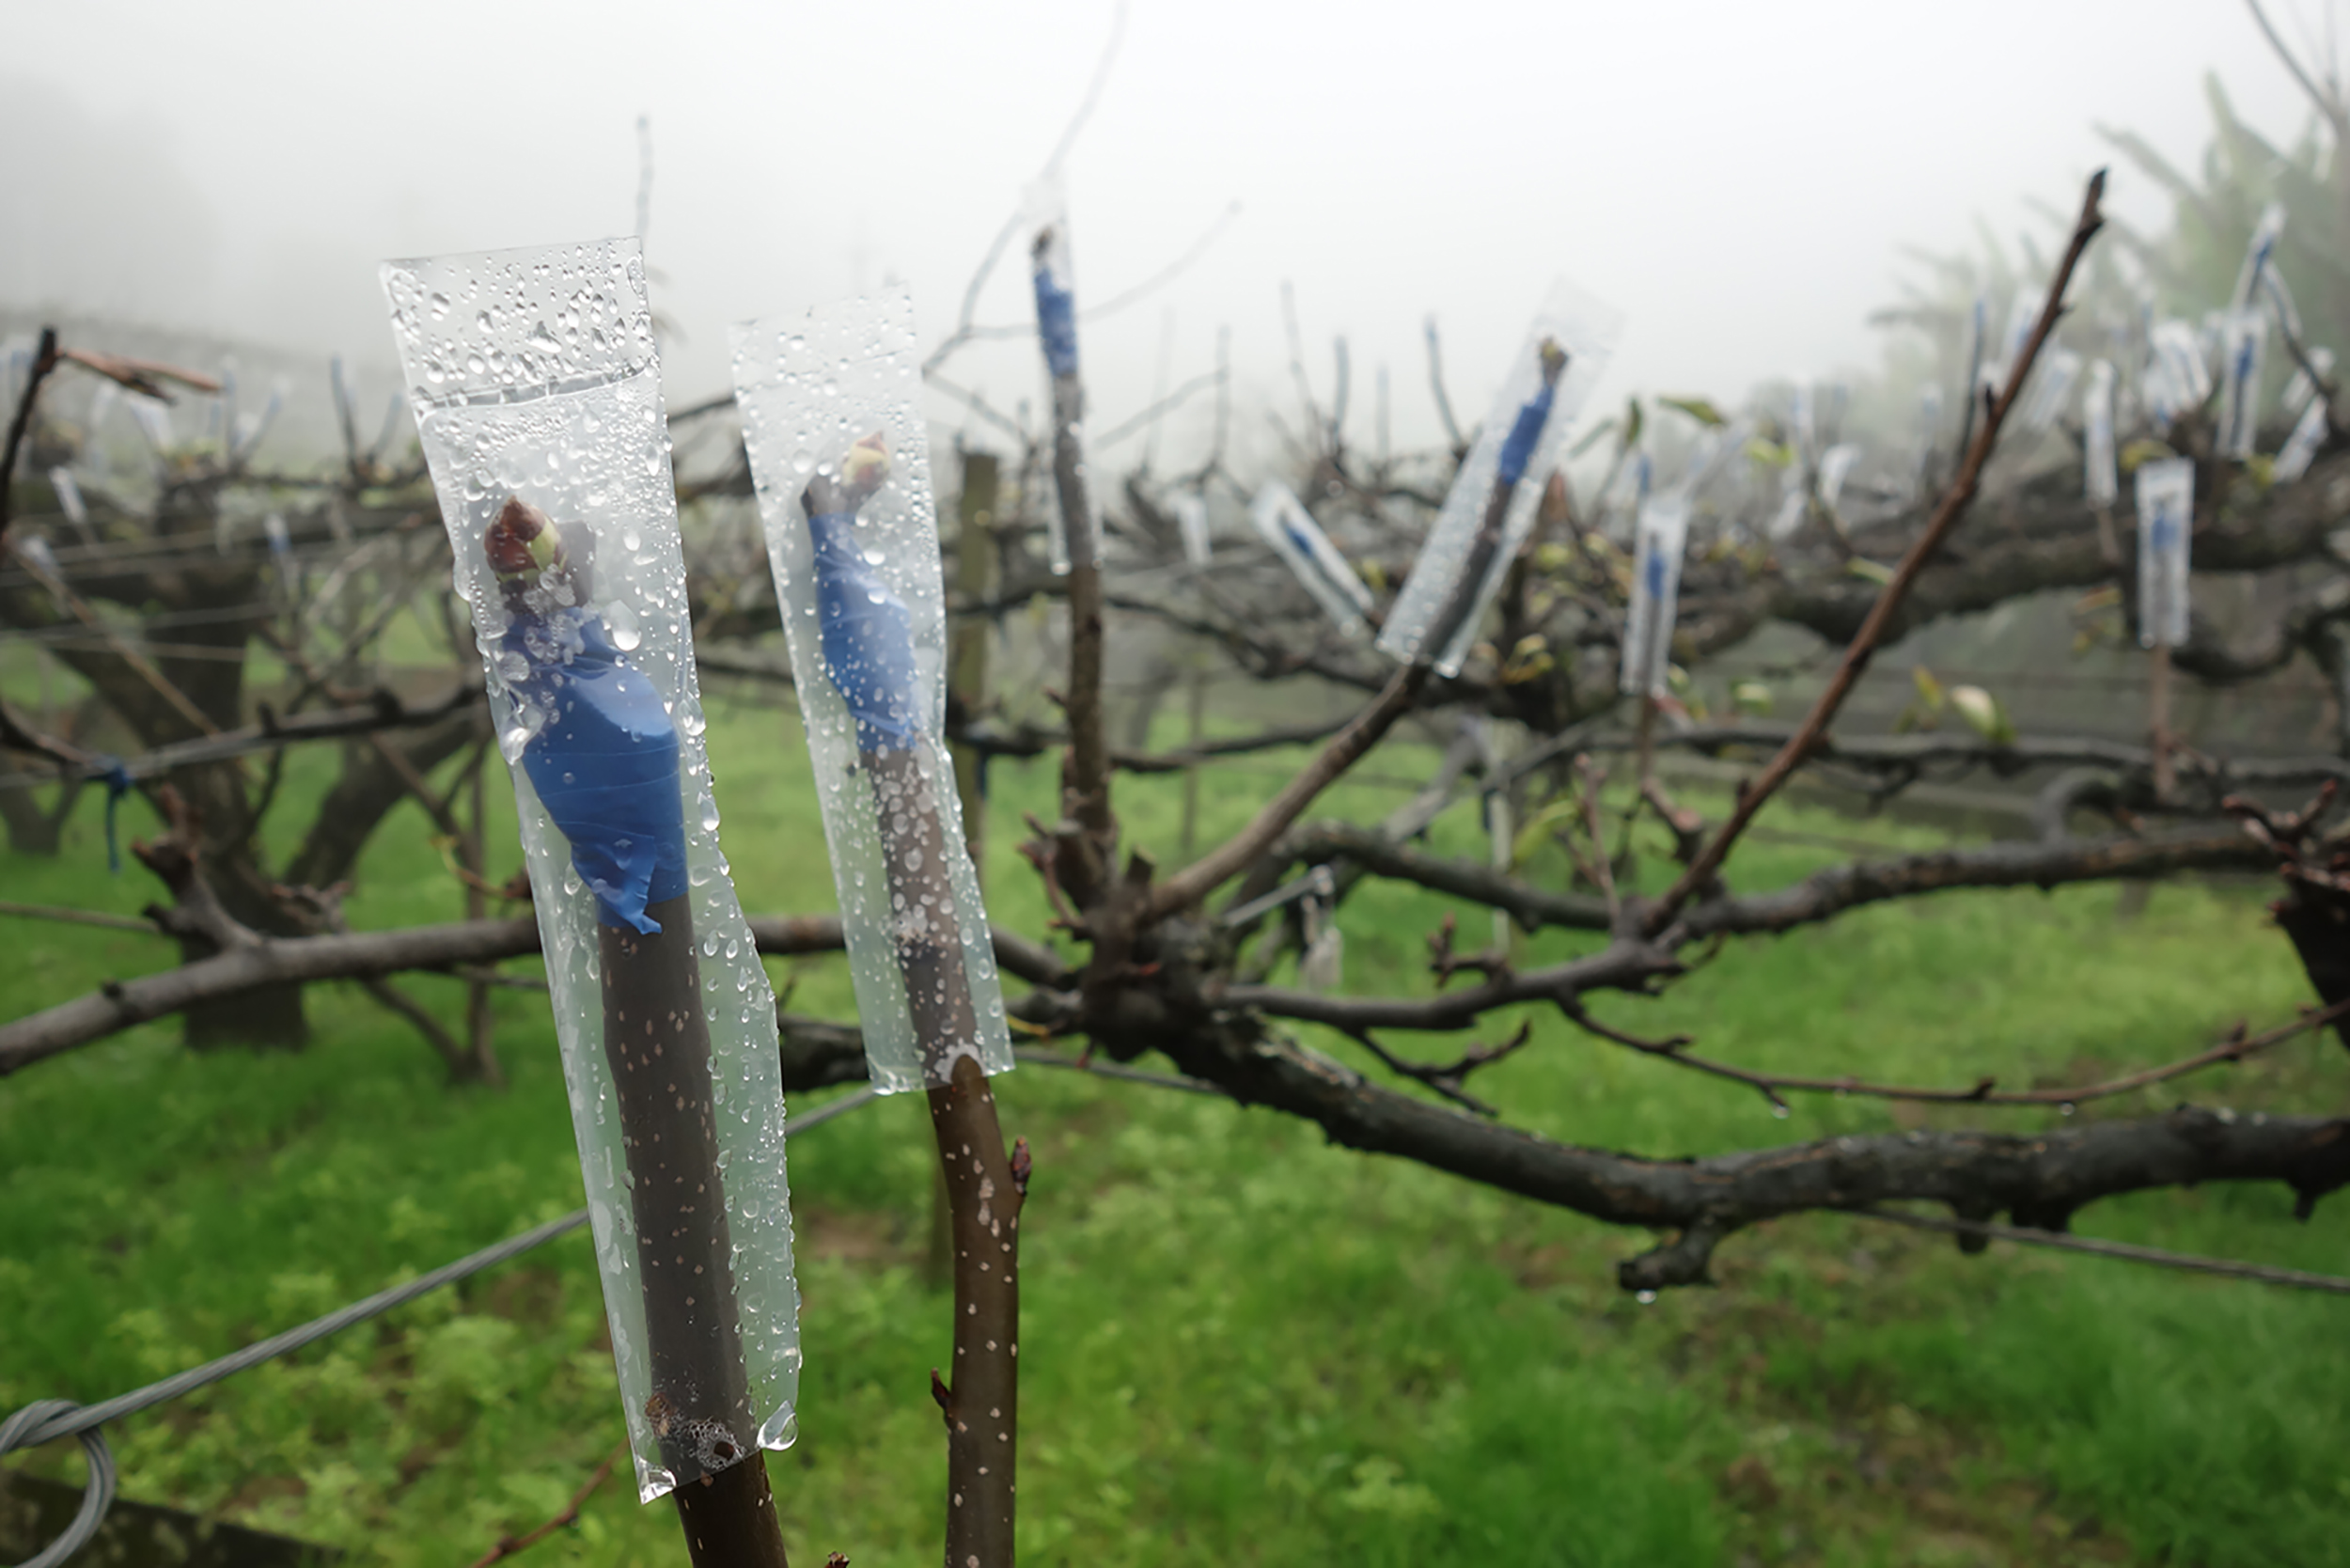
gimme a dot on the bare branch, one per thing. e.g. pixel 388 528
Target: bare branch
pixel 1195 881
pixel 1703 871
pixel 2042 1178
pixel 2327 103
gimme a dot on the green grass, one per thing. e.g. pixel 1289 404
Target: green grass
pixel 1240 1345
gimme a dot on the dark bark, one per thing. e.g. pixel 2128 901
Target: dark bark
pixel 657 1041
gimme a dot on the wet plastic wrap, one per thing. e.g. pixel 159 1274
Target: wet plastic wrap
pixel 2100 484
pixel 1491 506
pixel 1190 507
pixel 2300 448
pixel 2300 389
pixel 2052 383
pixel 830 418
pixel 1044 210
pixel 2166 519
pixel 537 400
pixel 2244 354
pixel 1648 629
pixel 1283 522
pixel 2177 377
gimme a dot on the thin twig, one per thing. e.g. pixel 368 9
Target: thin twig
pixel 44 361
pixel 2326 103
pixel 1708 863
pixel 2193 1262
pixel 1985 1091
pixel 65 916
pixel 1202 876
pixel 510 1545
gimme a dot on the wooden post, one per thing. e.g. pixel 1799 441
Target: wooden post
pixel 967 664
pixel 1644 744
pixel 2158 718
pixel 1195 731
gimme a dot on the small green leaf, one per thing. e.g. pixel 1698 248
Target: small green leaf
pixel 1750 696
pixel 1983 714
pixel 1700 409
pixel 1868 571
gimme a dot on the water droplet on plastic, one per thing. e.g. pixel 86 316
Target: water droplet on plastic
pixel 620 621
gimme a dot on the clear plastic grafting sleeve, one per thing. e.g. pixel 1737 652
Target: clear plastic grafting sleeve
pixel 1283 522
pixel 1045 212
pixel 1648 625
pixel 2099 482
pixel 1491 506
pixel 538 398
pixel 1190 507
pixel 2244 354
pixel 2166 519
pixel 830 418
pixel 2177 380
pixel 2308 431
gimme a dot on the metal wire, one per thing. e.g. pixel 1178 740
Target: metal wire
pixel 46 1420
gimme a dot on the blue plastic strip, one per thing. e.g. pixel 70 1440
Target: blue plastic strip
pixel 1056 322
pixel 867 639
pixel 606 766
pixel 1518 450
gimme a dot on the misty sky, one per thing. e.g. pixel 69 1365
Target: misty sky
pixel 1737 179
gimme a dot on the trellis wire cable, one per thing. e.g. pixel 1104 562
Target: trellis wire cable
pixel 47 1420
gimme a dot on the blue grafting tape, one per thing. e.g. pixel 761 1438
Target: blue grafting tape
pixel 1056 322
pixel 117 779
pixel 606 766
pixel 1518 450
pixel 868 638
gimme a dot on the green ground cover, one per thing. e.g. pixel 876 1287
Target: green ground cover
pixel 1240 1345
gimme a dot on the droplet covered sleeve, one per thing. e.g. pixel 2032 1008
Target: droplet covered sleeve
pixel 1490 508
pixel 833 426
pixel 537 393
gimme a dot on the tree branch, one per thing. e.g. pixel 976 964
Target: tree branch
pixel 1703 871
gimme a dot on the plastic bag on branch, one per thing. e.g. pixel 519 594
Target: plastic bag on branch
pixel 2243 356
pixel 1044 210
pixel 537 400
pixel 1491 506
pixel 2300 389
pixel 2301 448
pixel 2258 256
pixel 1929 437
pixel 2177 378
pixel 1190 507
pixel 1835 466
pixel 2166 519
pixel 2099 482
pixel 1283 522
pixel 2052 385
pixel 1647 627
pixel 831 418
pixel 2023 314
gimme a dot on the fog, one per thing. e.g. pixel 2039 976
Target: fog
pixel 1739 180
